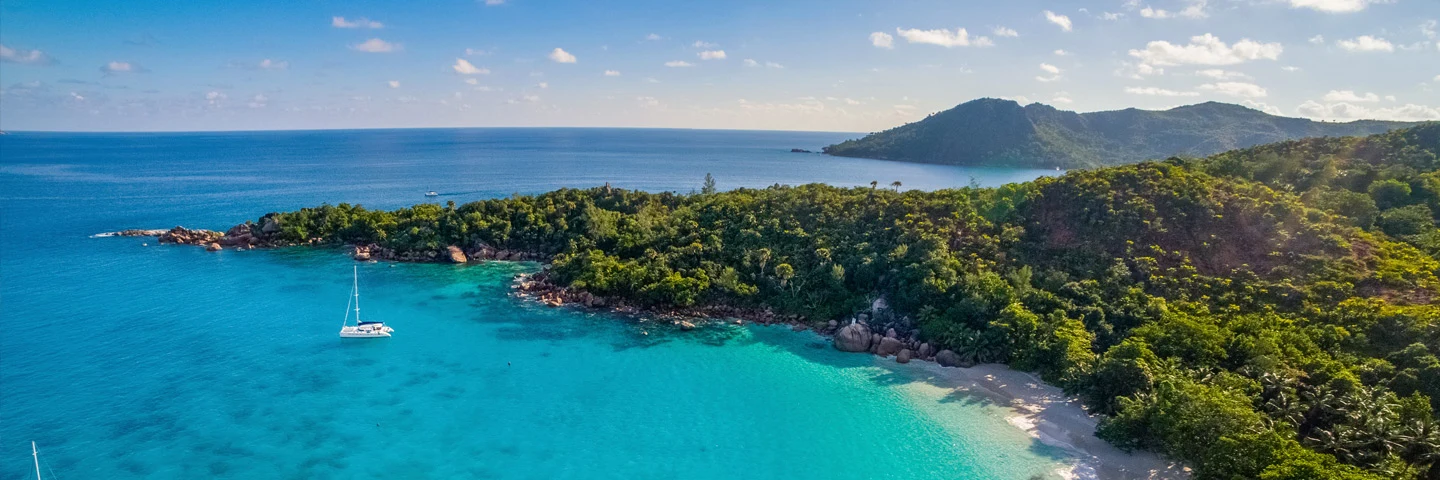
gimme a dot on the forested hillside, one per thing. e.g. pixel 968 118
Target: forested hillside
pixel 1266 313
pixel 994 132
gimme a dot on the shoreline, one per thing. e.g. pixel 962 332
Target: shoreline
pixel 1042 411
pixel 1045 413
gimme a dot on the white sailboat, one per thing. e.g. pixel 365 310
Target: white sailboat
pixel 361 329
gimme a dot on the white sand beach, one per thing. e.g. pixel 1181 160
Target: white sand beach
pixel 1047 414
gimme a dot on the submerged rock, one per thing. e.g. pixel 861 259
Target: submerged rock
pixel 854 337
pixel 213 247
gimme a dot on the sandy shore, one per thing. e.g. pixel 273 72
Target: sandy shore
pixel 1048 415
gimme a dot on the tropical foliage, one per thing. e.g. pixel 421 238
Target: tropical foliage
pixel 1265 313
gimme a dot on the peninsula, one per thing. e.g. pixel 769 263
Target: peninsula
pixel 1261 313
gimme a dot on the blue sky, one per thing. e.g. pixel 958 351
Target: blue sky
pixel 837 65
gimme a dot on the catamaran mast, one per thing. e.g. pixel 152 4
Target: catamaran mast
pixel 357 295
pixel 35 453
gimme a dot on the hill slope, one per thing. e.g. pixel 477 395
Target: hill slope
pixel 998 132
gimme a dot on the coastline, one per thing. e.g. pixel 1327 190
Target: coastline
pixel 1042 411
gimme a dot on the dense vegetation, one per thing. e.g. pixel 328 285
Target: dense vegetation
pixel 1264 313
pixel 1003 133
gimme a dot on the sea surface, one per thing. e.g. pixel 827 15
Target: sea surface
pixel 123 359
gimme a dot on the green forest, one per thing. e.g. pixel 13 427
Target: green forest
pixel 1263 313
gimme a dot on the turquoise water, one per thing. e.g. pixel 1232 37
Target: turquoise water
pixel 130 361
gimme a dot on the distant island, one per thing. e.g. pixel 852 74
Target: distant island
pixel 1271 312
pixel 1002 133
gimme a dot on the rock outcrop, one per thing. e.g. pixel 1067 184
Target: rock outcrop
pixel 947 358
pixel 854 337
pixel 889 346
pixel 455 255
pixel 904 356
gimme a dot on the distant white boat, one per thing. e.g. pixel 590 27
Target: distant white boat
pixel 432 193
pixel 361 329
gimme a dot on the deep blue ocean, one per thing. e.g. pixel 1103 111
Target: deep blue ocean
pixel 125 360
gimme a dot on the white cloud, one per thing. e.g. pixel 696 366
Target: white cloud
pixel 1366 43
pixel 1196 9
pixel 851 101
pixel 651 80
pixel 648 101
pixel 1350 96
pixel 492 3
pixel 1061 20
pixel 612 73
pixel 116 68
pixel 679 63
pixel 712 55
pixel 1317 40
pixel 1062 97
pixel 882 40
pixel 258 101
pixel 1264 107
pixel 268 64
pixel 472 81
pixel 1335 6
pixel 773 65
pixel 942 37
pixel 1206 49
pixel 26 57
pixel 1290 68
pixel 751 63
pixel 1436 79
pixel 1148 12
pixel 703 44
pixel 214 98
pixel 394 83
pixel 1054 72
pixel 376 45
pixel 1062 53
pixel 653 37
pixel 542 85
pixel 1158 92
pixel 1219 74
pixel 464 67
pixel 1236 89
pixel 1006 32
pixel 1111 16
pixel 362 22
pixel 559 55
pixel 1347 111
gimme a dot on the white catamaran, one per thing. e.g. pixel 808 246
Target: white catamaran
pixel 361 329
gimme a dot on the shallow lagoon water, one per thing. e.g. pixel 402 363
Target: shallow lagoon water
pixel 131 361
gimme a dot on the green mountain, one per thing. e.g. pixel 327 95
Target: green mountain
pixel 995 132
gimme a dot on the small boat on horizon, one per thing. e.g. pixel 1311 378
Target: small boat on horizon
pixel 432 193
pixel 361 329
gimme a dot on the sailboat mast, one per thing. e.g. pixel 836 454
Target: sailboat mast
pixel 35 453
pixel 357 295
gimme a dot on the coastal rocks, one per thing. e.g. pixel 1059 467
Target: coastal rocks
pixel 361 253
pixel 947 358
pixel 875 342
pixel 904 356
pixel 455 255
pixel 800 150
pixel 213 247
pixel 185 236
pixel 891 333
pixel 134 233
pixel 926 351
pixel 854 337
pixel 889 346
pixel 687 326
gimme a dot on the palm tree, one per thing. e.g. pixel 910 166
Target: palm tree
pixel 874 183
pixel 895 184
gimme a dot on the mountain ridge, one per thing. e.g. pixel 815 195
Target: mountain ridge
pixel 998 132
